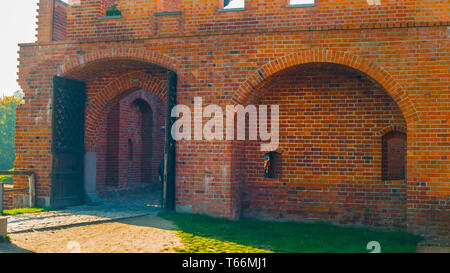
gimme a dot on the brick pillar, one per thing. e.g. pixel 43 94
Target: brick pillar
pixel 45 21
pixel 3 226
pixel 59 24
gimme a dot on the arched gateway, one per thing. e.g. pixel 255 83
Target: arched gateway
pixel 119 114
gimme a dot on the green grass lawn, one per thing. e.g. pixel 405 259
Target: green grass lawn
pixel 23 211
pixel 29 210
pixel 7 179
pixel 203 234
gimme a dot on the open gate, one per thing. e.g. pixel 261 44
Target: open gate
pixel 67 177
pixel 69 98
pixel 168 203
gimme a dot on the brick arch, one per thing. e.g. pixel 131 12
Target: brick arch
pixel 361 64
pixel 392 128
pixel 104 100
pixel 137 54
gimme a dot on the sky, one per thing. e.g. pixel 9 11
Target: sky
pixel 236 4
pixel 17 25
pixel 240 3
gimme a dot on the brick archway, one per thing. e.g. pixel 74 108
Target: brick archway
pixel 361 64
pixel 391 128
pixel 136 54
pixel 129 142
pixel 329 117
pixel 110 94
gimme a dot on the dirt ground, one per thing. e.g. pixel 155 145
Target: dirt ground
pixel 147 234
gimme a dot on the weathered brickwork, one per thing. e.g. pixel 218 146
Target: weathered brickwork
pixel 394 57
pixel 330 151
pixel 130 145
pixel 59 21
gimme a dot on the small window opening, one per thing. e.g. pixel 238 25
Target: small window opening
pixel 394 156
pixel 113 11
pixel 130 150
pixel 272 165
pixel 301 2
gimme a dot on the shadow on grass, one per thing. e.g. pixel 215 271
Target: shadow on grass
pixel 7 247
pixel 205 234
pixel 12 248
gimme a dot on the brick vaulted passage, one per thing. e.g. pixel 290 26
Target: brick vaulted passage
pixel 130 145
pixel 125 119
pixel 331 150
pixel 362 88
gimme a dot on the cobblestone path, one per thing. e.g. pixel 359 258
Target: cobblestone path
pixel 132 205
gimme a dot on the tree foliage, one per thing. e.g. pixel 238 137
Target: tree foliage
pixel 8 107
pixel 113 11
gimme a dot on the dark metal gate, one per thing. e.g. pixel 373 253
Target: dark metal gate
pixel 69 98
pixel 170 148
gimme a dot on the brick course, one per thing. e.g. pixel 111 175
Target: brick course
pixel 399 50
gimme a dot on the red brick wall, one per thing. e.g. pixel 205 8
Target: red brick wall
pixel 330 149
pixel 59 21
pixel 225 57
pixel 115 169
pixel 8 199
pixel 203 17
pixel 169 5
pixel 110 3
